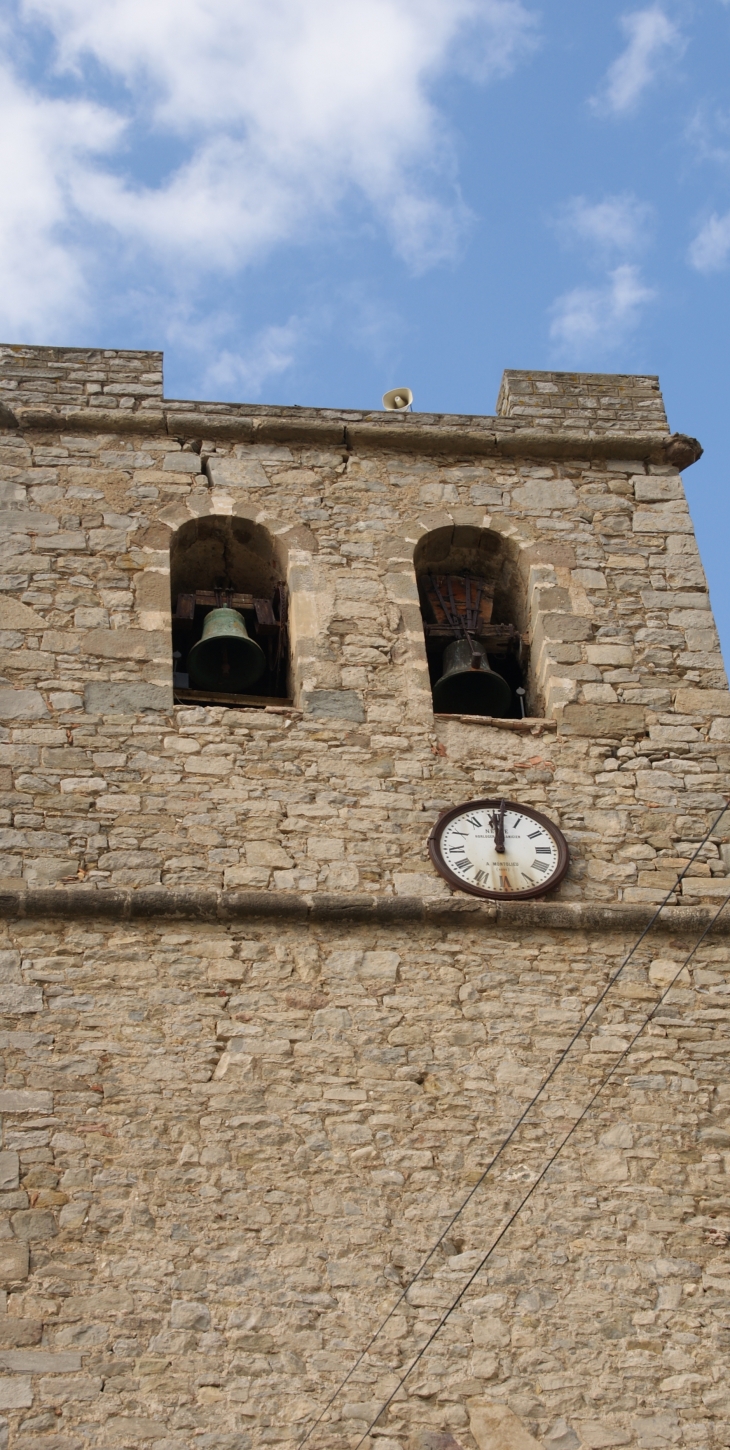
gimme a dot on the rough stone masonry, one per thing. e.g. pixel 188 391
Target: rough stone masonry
pixel 256 1052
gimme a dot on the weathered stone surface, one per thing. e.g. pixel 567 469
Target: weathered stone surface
pixel 603 720
pixel 334 705
pixel 690 701
pixel 126 644
pixel 22 705
pixel 20 998
pixel 15 1392
pixel 272 1052
pixel 39 1361
pixel 497 1427
pixel 14 1261
pixel 14 615
pixel 122 699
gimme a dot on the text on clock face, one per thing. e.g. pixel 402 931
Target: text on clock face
pixel 528 858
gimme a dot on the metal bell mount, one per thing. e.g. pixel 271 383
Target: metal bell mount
pixel 468 686
pixel 225 659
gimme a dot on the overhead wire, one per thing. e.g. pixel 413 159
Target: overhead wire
pixel 518 1123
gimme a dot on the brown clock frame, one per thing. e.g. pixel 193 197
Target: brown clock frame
pixel 443 868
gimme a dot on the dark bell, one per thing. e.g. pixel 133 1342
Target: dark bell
pixel 225 659
pixel 468 686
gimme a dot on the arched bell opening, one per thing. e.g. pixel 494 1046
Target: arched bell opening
pixel 229 614
pixel 473 611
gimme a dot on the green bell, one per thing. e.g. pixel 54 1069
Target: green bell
pixel 225 659
pixel 468 686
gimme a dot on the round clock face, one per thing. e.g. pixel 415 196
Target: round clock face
pixel 499 849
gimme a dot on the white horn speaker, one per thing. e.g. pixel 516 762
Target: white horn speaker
pixel 398 400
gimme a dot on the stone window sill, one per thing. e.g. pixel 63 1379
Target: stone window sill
pixel 531 725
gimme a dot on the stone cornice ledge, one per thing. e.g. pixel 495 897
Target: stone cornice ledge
pixel 446 433
pixel 150 904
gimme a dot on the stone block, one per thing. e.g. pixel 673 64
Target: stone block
pixel 543 495
pixel 267 853
pixel 22 705
pixel 16 998
pixel 126 699
pixel 9 1170
pixel 135 1429
pixel 28 521
pixel 33 1224
pixel 564 627
pixel 15 1392
pixel 187 1314
pixel 15 1332
pixel 152 590
pixel 597 1435
pixel 610 654
pixel 496 1427
pixel 657 488
pixel 590 579
pixel 610 720
pixel 126 644
pixel 39 1361
pixel 663 519
pixel 72 541
pixel 182 463
pixel 691 701
pixel 236 473
pixel 14 1261
pixel 332 705
pixel 14 615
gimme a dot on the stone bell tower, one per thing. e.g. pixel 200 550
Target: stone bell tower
pixel 258 1047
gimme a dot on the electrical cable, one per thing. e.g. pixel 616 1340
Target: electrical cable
pixel 517 1211
pixel 513 1130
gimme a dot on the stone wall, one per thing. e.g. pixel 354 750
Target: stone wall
pixel 225 1150
pixel 256 1053
pixel 583 400
pixel 76 377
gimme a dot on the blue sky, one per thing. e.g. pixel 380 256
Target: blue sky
pixel 308 201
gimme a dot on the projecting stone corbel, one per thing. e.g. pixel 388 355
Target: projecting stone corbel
pixel 681 451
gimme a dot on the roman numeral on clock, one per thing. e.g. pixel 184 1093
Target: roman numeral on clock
pixel 539 866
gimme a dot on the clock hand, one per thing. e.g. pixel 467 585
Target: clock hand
pixel 497 824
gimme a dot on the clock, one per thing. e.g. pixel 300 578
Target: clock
pixel 498 849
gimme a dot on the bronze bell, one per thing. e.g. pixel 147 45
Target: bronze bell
pixel 225 659
pixel 468 686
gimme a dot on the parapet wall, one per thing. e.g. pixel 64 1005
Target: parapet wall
pixel 586 402
pixel 76 377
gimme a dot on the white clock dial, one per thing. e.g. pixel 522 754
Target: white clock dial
pixel 499 848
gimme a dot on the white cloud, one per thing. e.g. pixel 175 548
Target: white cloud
pixel 710 250
pixel 245 374
pixel 708 132
pixel 599 319
pixel 593 320
pixel 280 113
pixel 43 144
pixel 652 39
pixel 617 224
